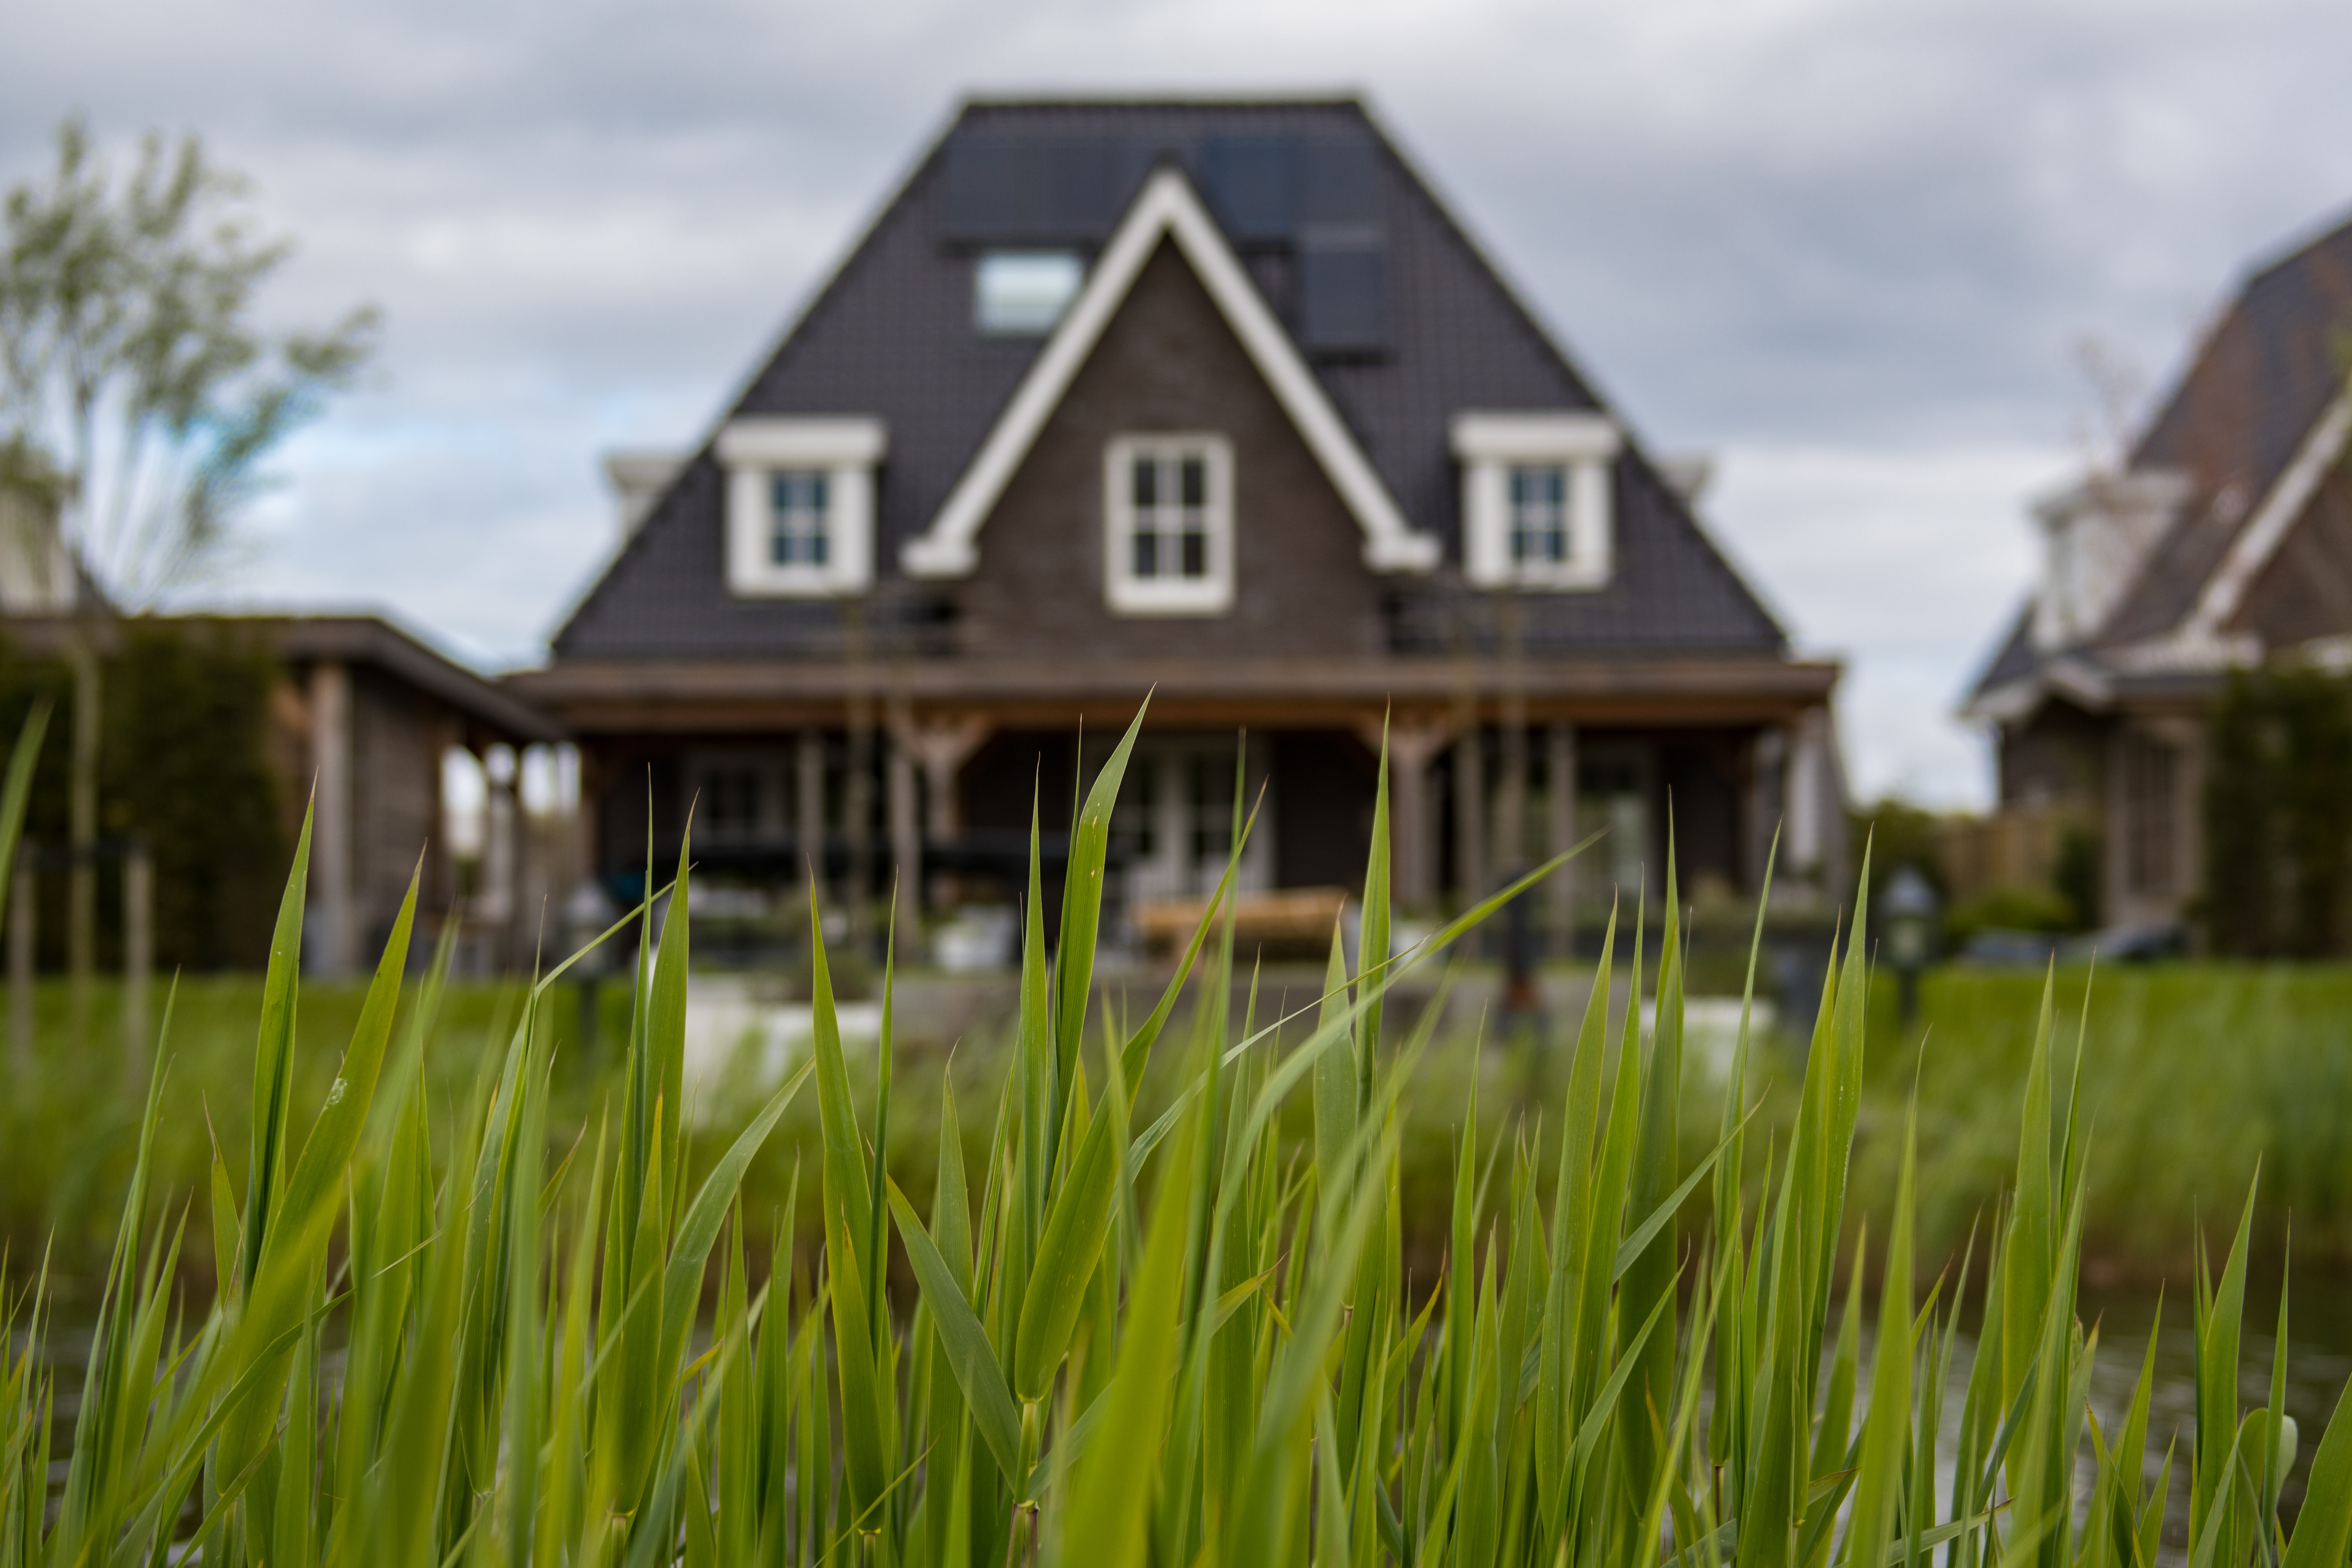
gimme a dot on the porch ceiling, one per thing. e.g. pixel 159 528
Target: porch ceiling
pixel 643 696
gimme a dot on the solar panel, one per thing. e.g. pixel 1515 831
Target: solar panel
pixel 1340 182
pixel 1253 184
pixel 1036 189
pixel 980 184
pixel 1312 201
pixel 1343 289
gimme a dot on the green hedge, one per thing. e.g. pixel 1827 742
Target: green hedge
pixel 184 764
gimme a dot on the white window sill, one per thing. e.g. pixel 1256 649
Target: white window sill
pixel 1132 598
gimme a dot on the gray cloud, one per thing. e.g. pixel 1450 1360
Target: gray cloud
pixel 1846 244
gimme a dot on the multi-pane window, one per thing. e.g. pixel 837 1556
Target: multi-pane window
pixel 1538 517
pixel 2150 808
pixel 799 533
pixel 1170 512
pixel 1168 520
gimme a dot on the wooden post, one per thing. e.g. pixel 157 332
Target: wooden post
pixel 21 905
pixel 1808 788
pixel 1469 813
pixel 1511 789
pixel 81 879
pixel 331 833
pixel 809 830
pixel 906 846
pixel 941 747
pixel 496 903
pixel 1412 744
pixel 1559 807
pixel 138 958
pixel 857 795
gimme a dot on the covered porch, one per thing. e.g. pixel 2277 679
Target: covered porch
pixel 923 778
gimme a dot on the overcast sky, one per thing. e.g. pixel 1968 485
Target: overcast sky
pixel 1852 248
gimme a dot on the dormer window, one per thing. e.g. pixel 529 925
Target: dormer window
pixel 800 505
pixel 800 529
pixel 1023 293
pixel 1536 498
pixel 1540 540
pixel 1168 544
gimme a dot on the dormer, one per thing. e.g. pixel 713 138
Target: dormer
pixel 799 504
pixel 2094 535
pixel 1538 510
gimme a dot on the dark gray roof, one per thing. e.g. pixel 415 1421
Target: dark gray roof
pixel 2257 383
pixel 2016 656
pixel 1403 322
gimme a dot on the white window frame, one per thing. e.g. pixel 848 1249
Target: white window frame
pixel 1131 595
pixel 755 451
pixel 1584 447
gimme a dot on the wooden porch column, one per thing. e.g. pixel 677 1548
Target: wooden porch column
pixel 1767 757
pixel 940 746
pixel 138 959
pixel 809 764
pixel 1414 744
pixel 1559 813
pixel 496 905
pixel 331 833
pixel 1511 803
pixel 906 846
pixel 1469 813
pixel 1807 789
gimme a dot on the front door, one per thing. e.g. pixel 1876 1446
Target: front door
pixel 1173 825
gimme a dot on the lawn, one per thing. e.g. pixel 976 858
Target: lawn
pixel 2195 1072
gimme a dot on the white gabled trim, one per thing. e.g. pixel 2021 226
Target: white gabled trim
pixel 2013 699
pixel 1546 436
pixel 2225 591
pixel 811 441
pixel 1167 206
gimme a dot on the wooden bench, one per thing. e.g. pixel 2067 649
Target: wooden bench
pixel 1294 920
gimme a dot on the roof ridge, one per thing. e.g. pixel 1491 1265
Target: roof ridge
pixel 1338 98
pixel 2319 233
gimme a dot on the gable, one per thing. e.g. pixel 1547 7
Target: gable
pixel 2304 591
pixel 1167 215
pixel 2245 425
pixel 1167 360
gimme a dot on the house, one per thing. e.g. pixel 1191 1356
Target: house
pixel 2222 539
pixel 362 716
pixel 1213 400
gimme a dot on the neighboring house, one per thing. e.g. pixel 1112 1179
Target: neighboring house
pixel 367 713
pixel 1213 400
pixel 2226 537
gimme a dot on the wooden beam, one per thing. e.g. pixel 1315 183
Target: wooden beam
pixel 331 830
pixel 1560 812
